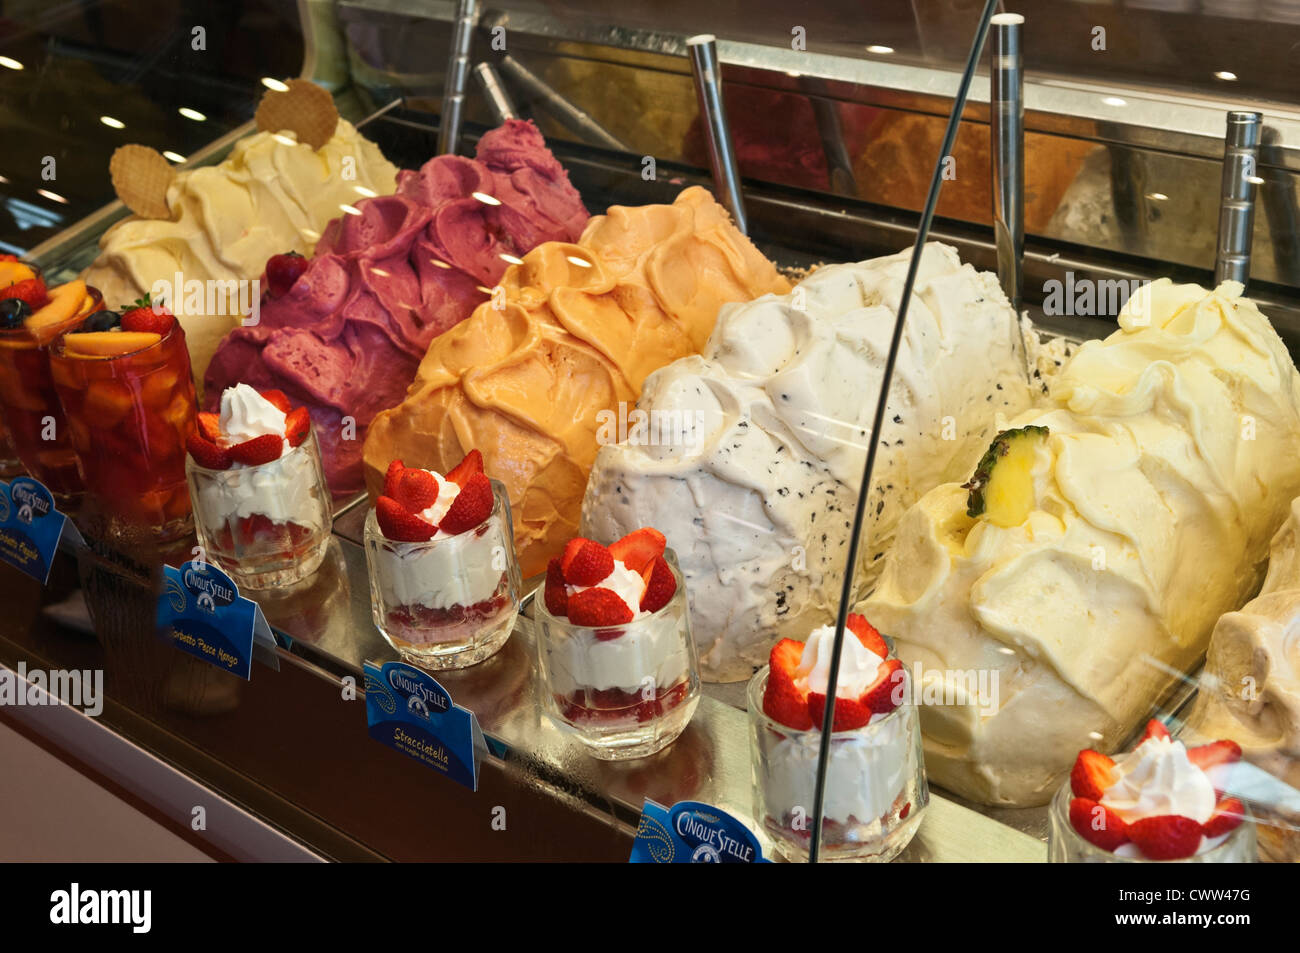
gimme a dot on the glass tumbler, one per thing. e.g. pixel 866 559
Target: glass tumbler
pixel 33 414
pixel 446 603
pixel 267 525
pixel 1065 846
pixel 626 691
pixel 128 417
pixel 876 790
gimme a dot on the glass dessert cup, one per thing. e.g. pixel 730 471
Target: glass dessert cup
pixel 266 525
pixel 627 691
pixel 10 465
pixel 446 603
pixel 1065 846
pixel 33 414
pixel 128 416
pixel 875 782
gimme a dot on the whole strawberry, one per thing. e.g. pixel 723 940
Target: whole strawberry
pixel 144 316
pixel 283 271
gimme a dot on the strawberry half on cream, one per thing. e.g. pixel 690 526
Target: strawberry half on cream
pixel 1161 801
pixel 443 572
pixel 618 656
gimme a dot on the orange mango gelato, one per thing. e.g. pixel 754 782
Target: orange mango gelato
pixel 571 333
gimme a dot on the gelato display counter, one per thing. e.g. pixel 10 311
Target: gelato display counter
pixel 881 431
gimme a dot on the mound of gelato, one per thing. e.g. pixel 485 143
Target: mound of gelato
pixel 1052 603
pixel 270 195
pixel 534 379
pixel 1251 691
pixel 751 456
pixel 348 335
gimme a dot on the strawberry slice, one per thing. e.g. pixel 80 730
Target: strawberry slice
pixel 259 450
pixel 473 504
pixel 557 596
pixel 1166 836
pixel 1155 729
pixel 585 563
pixel 782 702
pixel 206 453
pixel 210 425
pixel 867 634
pixel 399 525
pixel 884 694
pixel 1228 815
pixel 640 548
pixel 461 472
pixel 1215 753
pixel 594 608
pixel 849 712
pixel 417 490
pixel 296 425
pixel 277 399
pixel 31 290
pixel 392 477
pixel 1091 774
pixel 1097 824
pixel 660 584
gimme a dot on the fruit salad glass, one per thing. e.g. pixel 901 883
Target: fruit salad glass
pixel 625 691
pixel 1065 846
pixel 33 414
pixel 10 465
pixel 267 525
pixel 451 602
pixel 875 782
pixel 129 414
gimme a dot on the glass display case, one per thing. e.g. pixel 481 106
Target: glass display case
pixel 632 408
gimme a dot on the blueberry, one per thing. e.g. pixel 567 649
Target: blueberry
pixel 13 312
pixel 100 321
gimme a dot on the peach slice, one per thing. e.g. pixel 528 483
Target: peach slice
pixel 64 303
pixel 108 343
pixel 12 272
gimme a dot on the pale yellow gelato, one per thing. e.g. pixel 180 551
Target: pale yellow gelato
pixel 1170 463
pixel 270 195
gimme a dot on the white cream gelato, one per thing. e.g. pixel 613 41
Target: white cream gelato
pixel 271 195
pixel 1168 468
pixel 287 490
pixel 753 453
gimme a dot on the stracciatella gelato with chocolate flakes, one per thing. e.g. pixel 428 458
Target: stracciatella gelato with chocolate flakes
pixel 749 457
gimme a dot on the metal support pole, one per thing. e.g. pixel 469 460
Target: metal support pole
pixel 1237 198
pixel 453 94
pixel 498 99
pixel 1007 129
pixel 722 157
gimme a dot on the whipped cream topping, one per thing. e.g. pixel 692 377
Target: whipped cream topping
pixel 858 664
pixel 247 415
pixel 1158 778
pixel 625 583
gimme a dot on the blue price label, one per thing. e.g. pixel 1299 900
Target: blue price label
pixel 407 710
pixel 30 527
pixel 201 612
pixel 691 832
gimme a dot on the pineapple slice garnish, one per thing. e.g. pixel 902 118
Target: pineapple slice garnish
pixel 1002 487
